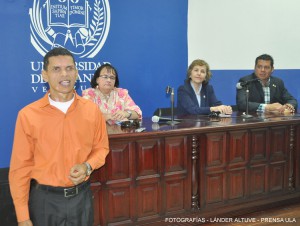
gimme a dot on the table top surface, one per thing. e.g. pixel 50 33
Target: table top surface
pixel 203 122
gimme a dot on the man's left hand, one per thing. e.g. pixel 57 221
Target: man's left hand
pixel 78 173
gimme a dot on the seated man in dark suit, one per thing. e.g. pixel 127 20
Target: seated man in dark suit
pixel 267 93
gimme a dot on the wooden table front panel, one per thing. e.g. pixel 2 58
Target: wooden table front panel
pixel 142 180
pixel 206 169
pixel 243 164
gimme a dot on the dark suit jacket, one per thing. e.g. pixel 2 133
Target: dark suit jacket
pixel 187 103
pixel 278 94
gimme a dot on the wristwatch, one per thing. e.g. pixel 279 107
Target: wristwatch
pixel 88 168
pixel 130 113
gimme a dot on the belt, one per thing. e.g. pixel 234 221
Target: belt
pixel 67 192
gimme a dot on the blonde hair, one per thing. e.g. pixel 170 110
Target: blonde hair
pixel 199 62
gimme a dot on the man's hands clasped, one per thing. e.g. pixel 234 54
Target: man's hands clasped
pixel 277 107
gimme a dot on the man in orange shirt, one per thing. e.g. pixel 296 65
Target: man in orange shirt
pixel 58 141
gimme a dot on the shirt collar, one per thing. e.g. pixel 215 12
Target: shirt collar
pixel 192 85
pixel 267 83
pixel 45 100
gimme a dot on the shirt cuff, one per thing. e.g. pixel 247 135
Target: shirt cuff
pixel 261 108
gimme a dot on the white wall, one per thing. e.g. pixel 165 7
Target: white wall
pixel 230 34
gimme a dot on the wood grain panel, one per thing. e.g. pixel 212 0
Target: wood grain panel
pixel 119 204
pixel 236 182
pixel 148 154
pixel 278 180
pixel 216 146
pixel 148 200
pixel 238 148
pixel 259 145
pixel 278 144
pixel 174 201
pixel 118 161
pixel 215 188
pixel 175 154
pixel 257 180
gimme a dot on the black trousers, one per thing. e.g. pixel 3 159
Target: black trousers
pixel 48 208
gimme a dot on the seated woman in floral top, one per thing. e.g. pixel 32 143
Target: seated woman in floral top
pixel 115 103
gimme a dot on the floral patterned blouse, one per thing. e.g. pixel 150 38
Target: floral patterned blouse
pixel 118 99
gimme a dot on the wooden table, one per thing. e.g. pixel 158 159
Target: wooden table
pixel 200 168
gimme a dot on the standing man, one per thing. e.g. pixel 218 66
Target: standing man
pixel 59 139
pixel 266 92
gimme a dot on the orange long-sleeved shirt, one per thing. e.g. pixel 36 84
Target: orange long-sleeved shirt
pixel 48 143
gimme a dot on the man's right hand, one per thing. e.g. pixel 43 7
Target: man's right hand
pixel 25 223
pixel 275 107
pixel 289 108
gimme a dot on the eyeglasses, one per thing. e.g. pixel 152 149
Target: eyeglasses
pixel 130 123
pixel 214 114
pixel 108 77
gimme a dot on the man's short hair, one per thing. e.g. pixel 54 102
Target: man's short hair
pixel 265 57
pixel 58 51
